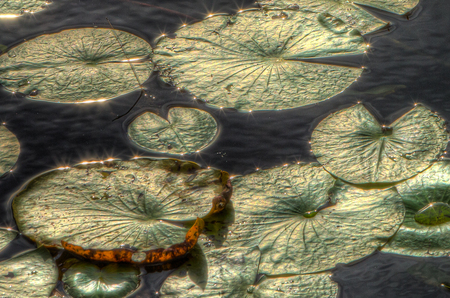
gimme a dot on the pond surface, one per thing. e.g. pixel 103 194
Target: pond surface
pixel 407 64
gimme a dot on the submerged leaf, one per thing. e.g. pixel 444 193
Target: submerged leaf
pixel 186 130
pixel 77 65
pixel 9 8
pixel 87 280
pixel 9 149
pixel 302 224
pixel 6 236
pixel 32 274
pixel 426 229
pixel 233 272
pixel 344 10
pixel 248 61
pixel 128 255
pixel 352 145
pixel 129 204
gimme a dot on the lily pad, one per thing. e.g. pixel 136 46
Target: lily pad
pixel 139 204
pixel 11 8
pixel 186 130
pixel 9 149
pixel 88 280
pixel 344 10
pixel 77 65
pixel 426 229
pixel 250 61
pixel 303 224
pixel 352 145
pixel 32 274
pixel 6 236
pixel 233 272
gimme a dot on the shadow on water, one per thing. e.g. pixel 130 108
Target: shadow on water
pixel 407 63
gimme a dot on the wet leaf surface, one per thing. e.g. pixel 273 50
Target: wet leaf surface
pixel 426 229
pixel 6 236
pixel 88 280
pixel 247 61
pixel 232 272
pixel 9 149
pixel 303 224
pixel 185 131
pixel 352 145
pixel 139 204
pixel 345 10
pixel 77 65
pixel 32 274
pixel 19 7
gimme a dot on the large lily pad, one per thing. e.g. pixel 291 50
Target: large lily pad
pixel 9 149
pixel 248 61
pixel 88 280
pixel 233 272
pixel 185 131
pixel 77 65
pixel 10 8
pixel 344 10
pixel 426 229
pixel 352 145
pixel 303 225
pixel 6 236
pixel 32 275
pixel 128 204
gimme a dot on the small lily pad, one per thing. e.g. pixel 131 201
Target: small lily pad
pixel 248 61
pixel 10 8
pixel 139 204
pixel 77 65
pixel 233 272
pixel 88 280
pixel 352 145
pixel 9 149
pixel 32 274
pixel 186 130
pixel 426 229
pixel 344 10
pixel 303 224
pixel 6 236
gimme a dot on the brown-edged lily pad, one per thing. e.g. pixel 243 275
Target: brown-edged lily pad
pixel 352 145
pixel 6 236
pixel 9 149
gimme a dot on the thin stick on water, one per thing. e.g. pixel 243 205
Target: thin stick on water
pixel 132 68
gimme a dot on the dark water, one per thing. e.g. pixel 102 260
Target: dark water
pixel 412 51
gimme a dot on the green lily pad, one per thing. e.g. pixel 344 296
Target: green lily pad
pixel 88 280
pixel 303 224
pixel 248 61
pixel 77 65
pixel 117 204
pixel 32 274
pixel 13 8
pixel 344 10
pixel 426 229
pixel 9 150
pixel 352 145
pixel 185 131
pixel 232 272
pixel 6 236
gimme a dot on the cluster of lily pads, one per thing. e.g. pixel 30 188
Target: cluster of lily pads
pixel 374 187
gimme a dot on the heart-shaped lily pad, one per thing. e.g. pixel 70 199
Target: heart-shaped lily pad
pixel 352 145
pixel 9 149
pixel 12 8
pixel 303 224
pixel 248 61
pixel 138 204
pixel 77 65
pixel 32 274
pixel 88 280
pixel 426 229
pixel 6 236
pixel 186 130
pixel 233 272
pixel 345 10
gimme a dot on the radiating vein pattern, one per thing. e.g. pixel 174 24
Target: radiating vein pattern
pixel 117 204
pixel 248 61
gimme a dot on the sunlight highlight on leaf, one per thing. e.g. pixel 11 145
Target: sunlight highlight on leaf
pixel 10 8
